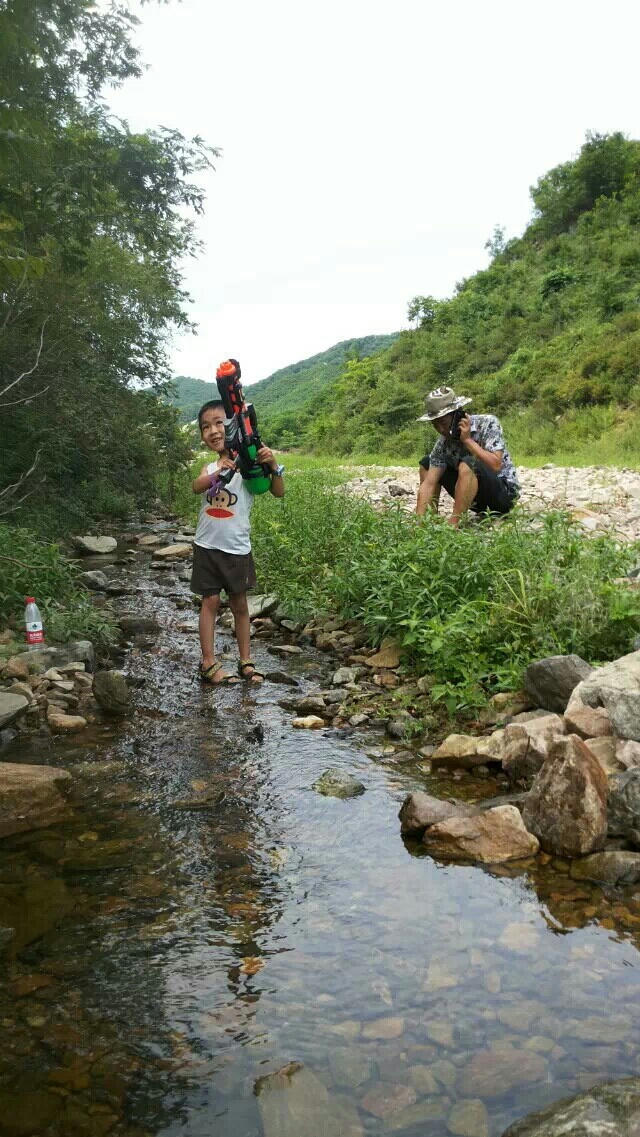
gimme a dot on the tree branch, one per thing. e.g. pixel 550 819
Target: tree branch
pixel 25 374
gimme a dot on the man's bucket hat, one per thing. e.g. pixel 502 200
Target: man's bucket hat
pixel 443 401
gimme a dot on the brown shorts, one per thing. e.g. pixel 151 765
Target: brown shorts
pixel 214 570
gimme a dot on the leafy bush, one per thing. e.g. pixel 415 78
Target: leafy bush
pixel 31 567
pixel 471 608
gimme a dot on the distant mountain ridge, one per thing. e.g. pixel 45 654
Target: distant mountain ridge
pixel 287 390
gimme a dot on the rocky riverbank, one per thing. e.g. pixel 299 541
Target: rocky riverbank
pixel 600 498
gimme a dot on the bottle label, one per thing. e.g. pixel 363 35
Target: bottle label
pixel 35 634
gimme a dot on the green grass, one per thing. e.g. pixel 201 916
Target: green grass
pixel 32 567
pixel 472 608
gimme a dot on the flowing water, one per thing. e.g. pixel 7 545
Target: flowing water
pixel 204 920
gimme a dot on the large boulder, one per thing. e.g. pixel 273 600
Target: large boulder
pixel 616 687
pixel 78 651
pixel 420 810
pixel 491 837
pixel 111 692
pixel 588 722
pixel 93 579
pixel 609 1110
pixel 458 752
pixel 526 746
pixel 623 806
pixel 567 806
pixel 549 682
pixel 30 797
pixel 261 605
pixel 92 546
pixel 12 704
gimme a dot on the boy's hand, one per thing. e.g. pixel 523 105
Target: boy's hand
pixel 266 457
pixel 227 464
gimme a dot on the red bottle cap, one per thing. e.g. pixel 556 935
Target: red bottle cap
pixel 29 599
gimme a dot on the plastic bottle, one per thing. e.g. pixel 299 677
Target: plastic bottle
pixel 33 625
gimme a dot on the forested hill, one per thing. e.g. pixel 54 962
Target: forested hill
pixel 548 336
pixel 289 389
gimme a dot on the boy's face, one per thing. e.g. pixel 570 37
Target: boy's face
pixel 212 429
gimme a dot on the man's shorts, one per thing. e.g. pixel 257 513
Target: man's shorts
pixel 214 570
pixel 493 493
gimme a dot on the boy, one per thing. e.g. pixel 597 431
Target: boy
pixel 222 547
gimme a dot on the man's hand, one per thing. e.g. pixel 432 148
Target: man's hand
pixel 465 430
pixel 266 457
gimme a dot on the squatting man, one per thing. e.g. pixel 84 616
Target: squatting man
pixel 470 459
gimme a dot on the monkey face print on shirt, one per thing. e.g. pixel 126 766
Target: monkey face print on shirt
pixel 220 503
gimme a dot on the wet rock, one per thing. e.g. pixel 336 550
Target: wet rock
pixel 526 746
pixel 349 1067
pixel 500 1069
pixel 102 856
pixel 567 806
pixel 387 657
pixel 93 579
pixel 550 682
pixel 311 704
pixel 111 692
pixel 94 546
pixel 12 705
pixel 293 1102
pixel 337 783
pixel 79 651
pixel 30 797
pixel 616 686
pixel 397 728
pixel 613 866
pixel 131 626
pixel 469 1119
pixel 587 722
pixel 623 805
pixel 285 649
pixel 67 724
pixel 173 552
pixel 359 720
pixel 282 678
pixel 26 1111
pixel 308 722
pixel 40 906
pixel 420 810
pixel 458 752
pixel 387 1098
pixel 609 1110
pixel 148 540
pixel 491 837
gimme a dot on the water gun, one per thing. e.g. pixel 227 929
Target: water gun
pixel 242 440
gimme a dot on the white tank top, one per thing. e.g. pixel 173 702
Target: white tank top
pixel 224 519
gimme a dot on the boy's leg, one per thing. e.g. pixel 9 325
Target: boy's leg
pixel 207 628
pixel 240 608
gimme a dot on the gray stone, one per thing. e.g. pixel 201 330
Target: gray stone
pixel 30 797
pixel 469 1118
pixel 628 753
pixel 92 546
pixel 12 705
pixel 282 678
pixel 623 804
pixel 337 783
pixel 93 579
pixel 138 626
pixel 111 692
pixel 261 605
pixel 526 746
pixel 345 675
pixel 550 682
pixel 311 705
pixel 609 1110
pixel 293 1102
pixel 613 866
pixel 81 651
pixel 420 810
pixel 349 1067
pixel 616 686
pixel 567 806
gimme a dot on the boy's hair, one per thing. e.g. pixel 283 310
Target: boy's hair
pixel 212 405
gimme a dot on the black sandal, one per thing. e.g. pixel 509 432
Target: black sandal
pixel 256 676
pixel 206 675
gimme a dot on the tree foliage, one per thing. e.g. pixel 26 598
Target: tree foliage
pixel 94 222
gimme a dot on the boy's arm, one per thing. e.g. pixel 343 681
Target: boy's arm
pixel 203 481
pixel 266 457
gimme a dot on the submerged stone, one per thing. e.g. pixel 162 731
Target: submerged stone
pixel 337 783
pixel 609 1110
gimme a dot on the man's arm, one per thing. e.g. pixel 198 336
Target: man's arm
pixel 429 489
pixel 491 458
pixel 266 457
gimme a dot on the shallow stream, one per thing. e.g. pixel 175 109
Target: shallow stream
pixel 204 919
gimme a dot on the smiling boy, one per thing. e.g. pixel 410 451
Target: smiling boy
pixel 222 557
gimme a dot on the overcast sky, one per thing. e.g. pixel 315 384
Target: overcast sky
pixel 368 149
